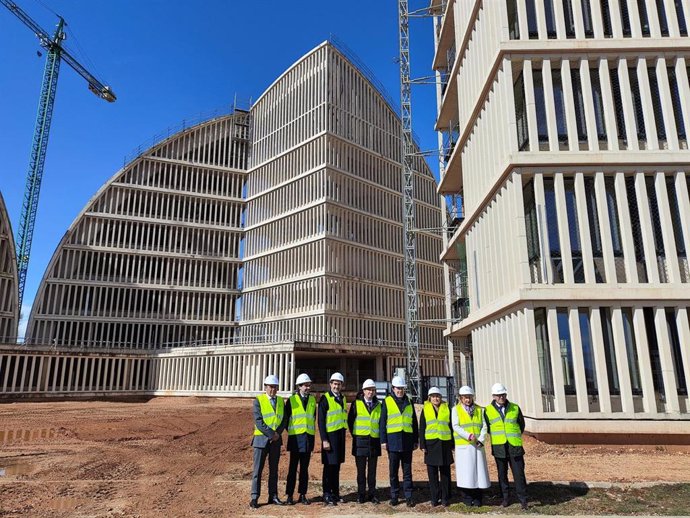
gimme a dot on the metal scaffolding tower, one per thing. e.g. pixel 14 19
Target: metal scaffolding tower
pixel 410 240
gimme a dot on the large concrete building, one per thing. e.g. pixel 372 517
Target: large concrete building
pixel 565 130
pixel 9 312
pixel 263 241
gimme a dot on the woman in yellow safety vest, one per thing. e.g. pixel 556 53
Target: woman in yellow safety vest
pixel 363 422
pixel 469 432
pixel 436 441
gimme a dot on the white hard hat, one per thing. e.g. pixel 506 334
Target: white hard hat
pixel 271 379
pixel 434 390
pixel 466 391
pixel 302 378
pixel 398 382
pixel 336 376
pixel 498 388
pixel 368 384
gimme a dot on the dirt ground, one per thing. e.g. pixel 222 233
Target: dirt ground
pixel 192 457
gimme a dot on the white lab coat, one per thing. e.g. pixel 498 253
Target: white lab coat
pixel 471 470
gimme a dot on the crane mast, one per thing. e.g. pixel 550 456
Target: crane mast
pixel 56 54
pixel 410 241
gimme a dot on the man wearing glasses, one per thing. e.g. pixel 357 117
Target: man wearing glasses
pixel 506 424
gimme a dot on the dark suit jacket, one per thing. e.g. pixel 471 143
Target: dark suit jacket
pixel 399 441
pixel 261 441
pixel 503 451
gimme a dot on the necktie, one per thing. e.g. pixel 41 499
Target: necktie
pixel 273 403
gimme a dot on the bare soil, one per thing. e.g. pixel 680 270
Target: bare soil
pixel 192 457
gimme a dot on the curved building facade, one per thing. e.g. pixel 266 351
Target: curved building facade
pixel 153 259
pixel 324 235
pixel 9 312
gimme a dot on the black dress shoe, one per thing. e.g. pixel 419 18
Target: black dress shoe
pixel 394 501
pixel 476 503
pixel 434 503
pixel 275 501
pixel 524 506
pixel 445 504
pixel 409 502
pixel 304 500
pixel 505 502
pixel 254 504
pixel 289 500
pixel 374 499
pixel 361 499
pixel 338 499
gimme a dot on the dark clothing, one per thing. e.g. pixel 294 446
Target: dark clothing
pixel 331 482
pixel 336 455
pixel 472 496
pixel 301 460
pixel 517 466
pixel 436 472
pixel 509 455
pixel 363 446
pixel 272 451
pixel 365 478
pixel 396 458
pixel 438 452
pixel 399 441
pixel 506 450
pixel 303 442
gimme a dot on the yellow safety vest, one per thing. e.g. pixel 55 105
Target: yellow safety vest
pixel 301 420
pixel 504 430
pixel 437 427
pixel 366 424
pixel 272 418
pixel 469 423
pixel 336 418
pixel 398 422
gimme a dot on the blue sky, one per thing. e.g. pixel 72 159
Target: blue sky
pixel 168 61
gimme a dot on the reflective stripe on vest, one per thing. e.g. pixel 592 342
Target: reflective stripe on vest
pixel 396 421
pixel 272 418
pixel 437 427
pixel 469 423
pixel 336 418
pixel 507 430
pixel 366 425
pixel 301 420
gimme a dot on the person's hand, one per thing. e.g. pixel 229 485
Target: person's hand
pixel 275 437
pixel 471 438
pixel 384 446
pixel 424 450
pixel 326 446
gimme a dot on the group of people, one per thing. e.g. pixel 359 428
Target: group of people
pixel 444 434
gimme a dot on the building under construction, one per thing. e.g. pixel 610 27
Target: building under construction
pixel 9 312
pixel 265 240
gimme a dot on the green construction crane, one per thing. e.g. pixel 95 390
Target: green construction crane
pixel 56 53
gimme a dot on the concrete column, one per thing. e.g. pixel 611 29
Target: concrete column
pixel 666 359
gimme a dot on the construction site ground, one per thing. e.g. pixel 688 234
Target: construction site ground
pixel 172 457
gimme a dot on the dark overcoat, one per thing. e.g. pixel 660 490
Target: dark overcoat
pixel 300 443
pixel 438 452
pixel 399 441
pixel 336 455
pixel 362 446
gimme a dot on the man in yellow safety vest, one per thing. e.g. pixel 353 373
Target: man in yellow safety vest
pixel 301 418
pixel 269 423
pixel 400 437
pixel 506 425
pixel 332 417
